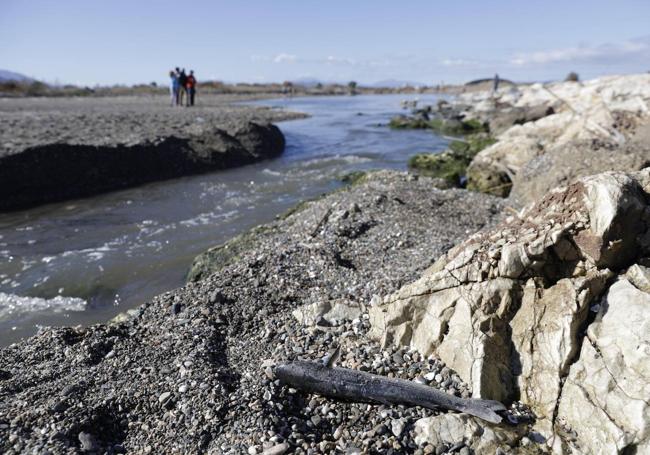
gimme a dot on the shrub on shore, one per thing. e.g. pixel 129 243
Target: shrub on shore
pixel 451 164
pixel 572 77
pixel 440 126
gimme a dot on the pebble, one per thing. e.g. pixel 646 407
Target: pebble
pixel 430 376
pixel 88 443
pixel 277 449
pixel 164 397
pixel 397 426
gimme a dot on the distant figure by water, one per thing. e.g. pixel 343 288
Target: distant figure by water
pixel 182 80
pixel 174 87
pixel 182 84
pixel 190 88
pixel 495 87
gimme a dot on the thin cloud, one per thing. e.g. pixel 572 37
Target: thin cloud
pixel 285 58
pixel 604 53
pixel 458 62
pixel 331 60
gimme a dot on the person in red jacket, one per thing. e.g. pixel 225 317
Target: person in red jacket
pixel 190 88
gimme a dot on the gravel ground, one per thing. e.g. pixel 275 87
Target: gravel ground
pixel 192 371
pixel 124 120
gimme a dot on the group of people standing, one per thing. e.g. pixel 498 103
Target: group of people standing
pixel 182 84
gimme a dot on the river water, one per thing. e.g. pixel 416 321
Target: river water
pixel 87 260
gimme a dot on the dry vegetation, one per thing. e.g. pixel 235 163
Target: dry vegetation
pixel 40 89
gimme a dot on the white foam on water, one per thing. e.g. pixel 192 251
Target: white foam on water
pixel 334 159
pixel 12 305
pixel 208 218
pixel 98 253
pixel 268 171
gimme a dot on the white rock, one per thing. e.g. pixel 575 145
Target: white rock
pixel 605 397
pixel 330 310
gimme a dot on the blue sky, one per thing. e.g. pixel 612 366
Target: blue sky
pixel 104 42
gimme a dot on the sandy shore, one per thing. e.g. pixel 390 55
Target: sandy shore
pixel 129 120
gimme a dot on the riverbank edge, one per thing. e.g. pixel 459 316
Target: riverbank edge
pixel 58 172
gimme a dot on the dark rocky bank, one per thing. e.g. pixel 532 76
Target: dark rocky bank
pixel 60 171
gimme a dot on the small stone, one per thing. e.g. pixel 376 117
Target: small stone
pixel 315 419
pixel 252 450
pixel 430 376
pixel 397 426
pixel 60 405
pixel 465 451
pixel 380 430
pixel 88 443
pixel 277 449
pixel 183 388
pixel 268 371
pixel 217 297
pixel 267 395
pixel 164 397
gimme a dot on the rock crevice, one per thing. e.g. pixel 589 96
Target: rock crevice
pixel 521 296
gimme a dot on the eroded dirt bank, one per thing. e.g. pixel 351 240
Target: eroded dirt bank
pixel 57 149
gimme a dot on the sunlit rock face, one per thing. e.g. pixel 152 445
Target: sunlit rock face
pixel 512 310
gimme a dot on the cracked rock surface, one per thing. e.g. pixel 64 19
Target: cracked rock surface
pixel 511 311
pixel 587 127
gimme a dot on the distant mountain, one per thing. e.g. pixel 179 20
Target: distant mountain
pixel 6 75
pixel 394 83
pixel 308 82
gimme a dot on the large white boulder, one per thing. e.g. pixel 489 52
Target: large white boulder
pixel 507 308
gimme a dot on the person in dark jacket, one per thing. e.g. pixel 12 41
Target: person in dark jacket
pixel 182 80
pixel 190 88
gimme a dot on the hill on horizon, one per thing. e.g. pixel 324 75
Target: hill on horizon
pixel 6 75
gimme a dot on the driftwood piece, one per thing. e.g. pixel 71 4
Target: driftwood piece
pixel 316 377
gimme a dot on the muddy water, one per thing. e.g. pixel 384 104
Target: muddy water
pixel 87 260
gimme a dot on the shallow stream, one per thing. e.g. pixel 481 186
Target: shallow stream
pixel 87 260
